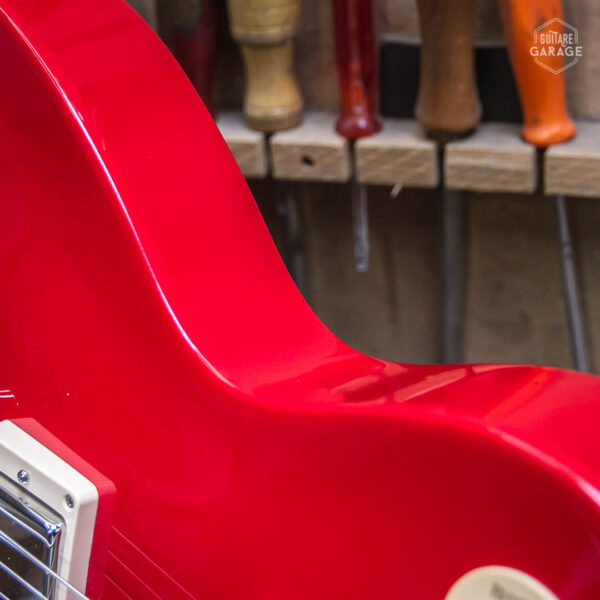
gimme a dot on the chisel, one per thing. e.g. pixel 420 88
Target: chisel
pixel 357 68
pixel 265 30
pixel 448 108
pixel 547 122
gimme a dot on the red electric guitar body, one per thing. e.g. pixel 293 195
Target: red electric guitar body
pixel 147 322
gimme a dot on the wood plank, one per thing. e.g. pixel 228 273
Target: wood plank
pixel 514 308
pixel 583 79
pixel 585 223
pixel 392 310
pixel 573 168
pixel 493 159
pixel 311 152
pixel 247 146
pixel 399 154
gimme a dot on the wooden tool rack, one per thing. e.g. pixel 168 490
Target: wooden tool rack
pixel 493 159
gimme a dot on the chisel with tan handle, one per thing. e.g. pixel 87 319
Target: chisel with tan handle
pixel 265 31
pixel 534 35
pixel 357 68
pixel 448 107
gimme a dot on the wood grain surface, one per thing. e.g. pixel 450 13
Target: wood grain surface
pixel 247 145
pixel 493 159
pixel 314 151
pixel 399 154
pixel 573 168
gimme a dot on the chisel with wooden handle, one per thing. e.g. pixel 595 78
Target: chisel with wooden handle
pixel 448 107
pixel 357 68
pixel 547 122
pixel 265 30
pixel 447 103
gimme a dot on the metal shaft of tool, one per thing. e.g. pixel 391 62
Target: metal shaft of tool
pixel 573 305
pixel 452 276
pixel 360 221
pixel 292 249
pixel 360 216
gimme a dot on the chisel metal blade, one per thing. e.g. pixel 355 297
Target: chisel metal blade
pixel 360 216
pixel 573 304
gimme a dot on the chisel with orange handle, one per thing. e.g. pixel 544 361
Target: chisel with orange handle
pixel 357 68
pixel 448 107
pixel 541 86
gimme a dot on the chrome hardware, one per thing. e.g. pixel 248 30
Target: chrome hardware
pixel 25 521
pixel 40 565
pixel 47 516
pixel 29 548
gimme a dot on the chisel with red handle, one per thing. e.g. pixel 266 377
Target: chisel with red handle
pixel 357 67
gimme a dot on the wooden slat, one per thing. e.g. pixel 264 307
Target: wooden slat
pixel 399 154
pixel 573 168
pixel 311 152
pixel 247 146
pixel 493 159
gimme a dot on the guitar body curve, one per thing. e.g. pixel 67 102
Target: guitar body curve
pixel 148 323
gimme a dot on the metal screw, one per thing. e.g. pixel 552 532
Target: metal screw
pixel 23 476
pixel 69 501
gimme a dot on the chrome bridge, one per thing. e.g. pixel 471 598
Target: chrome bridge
pixel 30 536
pixel 47 517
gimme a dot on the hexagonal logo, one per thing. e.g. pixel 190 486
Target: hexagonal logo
pixel 556 45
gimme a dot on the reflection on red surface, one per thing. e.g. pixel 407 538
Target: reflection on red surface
pixel 147 321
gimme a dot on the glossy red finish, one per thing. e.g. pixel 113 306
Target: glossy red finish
pixel 147 321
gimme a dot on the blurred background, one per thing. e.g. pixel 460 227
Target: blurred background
pixel 513 301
